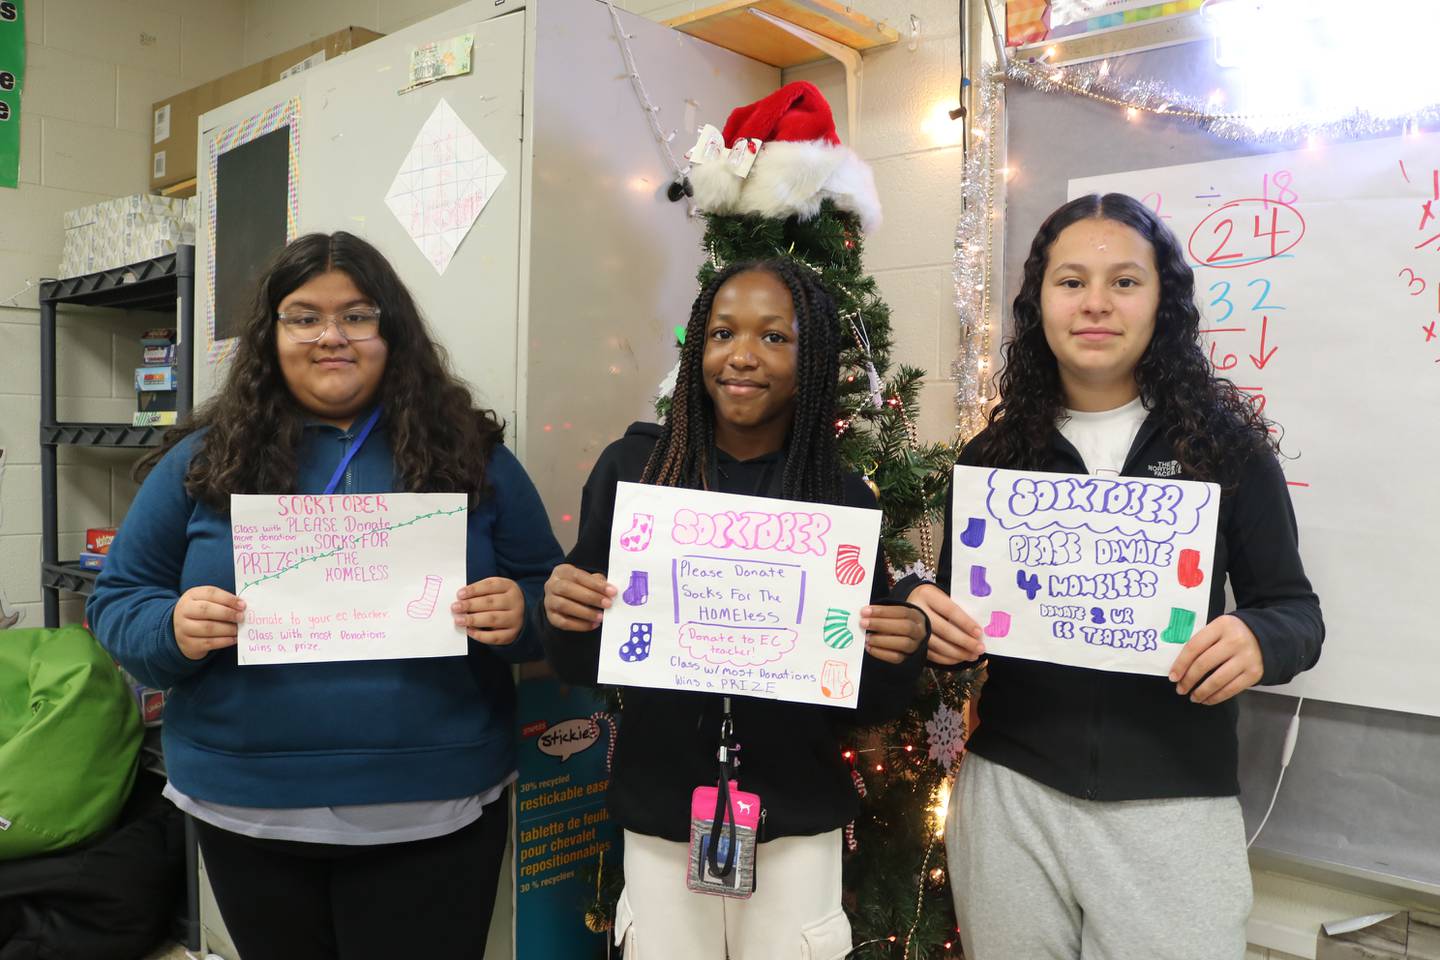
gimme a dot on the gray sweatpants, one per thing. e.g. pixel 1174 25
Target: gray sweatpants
pixel 1041 875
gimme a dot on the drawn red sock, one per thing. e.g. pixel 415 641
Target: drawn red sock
pixel 1189 571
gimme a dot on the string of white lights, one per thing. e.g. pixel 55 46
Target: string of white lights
pixel 652 112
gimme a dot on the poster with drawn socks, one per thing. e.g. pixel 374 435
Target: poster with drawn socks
pixel 746 596
pixel 1099 572
pixel 348 576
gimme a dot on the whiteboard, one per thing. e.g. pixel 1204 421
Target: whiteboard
pixel 1318 275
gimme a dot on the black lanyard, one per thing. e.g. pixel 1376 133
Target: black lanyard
pixel 724 810
pixel 354 449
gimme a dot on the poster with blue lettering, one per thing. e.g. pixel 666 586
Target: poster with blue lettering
pixel 1099 572
pixel 737 595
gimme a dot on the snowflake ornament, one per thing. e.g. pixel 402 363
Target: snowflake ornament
pixel 946 733
pixel 917 568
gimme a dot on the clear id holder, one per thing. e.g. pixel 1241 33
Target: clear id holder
pixel 724 829
pixel 723 836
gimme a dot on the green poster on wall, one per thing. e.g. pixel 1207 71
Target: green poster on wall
pixel 12 79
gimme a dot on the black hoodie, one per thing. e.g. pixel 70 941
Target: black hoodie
pixel 790 753
pixel 1123 736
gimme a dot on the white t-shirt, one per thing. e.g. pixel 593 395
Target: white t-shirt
pixel 1103 438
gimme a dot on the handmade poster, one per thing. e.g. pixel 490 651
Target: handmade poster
pixel 443 184
pixel 1099 572
pixel 12 81
pixel 746 596
pixel 348 576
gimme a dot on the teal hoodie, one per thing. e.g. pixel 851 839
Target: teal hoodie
pixel 319 734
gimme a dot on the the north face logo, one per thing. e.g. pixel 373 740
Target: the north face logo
pixel 1165 468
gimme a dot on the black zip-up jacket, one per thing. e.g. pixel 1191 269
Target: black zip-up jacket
pixel 790 753
pixel 1120 736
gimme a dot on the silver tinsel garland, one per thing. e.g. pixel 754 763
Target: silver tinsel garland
pixel 1094 80
pixel 974 249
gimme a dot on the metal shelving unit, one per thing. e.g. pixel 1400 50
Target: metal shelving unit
pixel 164 285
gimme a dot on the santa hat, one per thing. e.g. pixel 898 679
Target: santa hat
pixel 801 163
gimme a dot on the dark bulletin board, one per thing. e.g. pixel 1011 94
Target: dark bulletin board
pixel 252 187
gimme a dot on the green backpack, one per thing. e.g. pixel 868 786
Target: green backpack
pixel 69 740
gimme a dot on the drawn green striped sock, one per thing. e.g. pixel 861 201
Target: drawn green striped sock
pixel 837 629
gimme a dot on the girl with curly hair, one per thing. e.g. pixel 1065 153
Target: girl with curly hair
pixel 347 809
pixel 1096 814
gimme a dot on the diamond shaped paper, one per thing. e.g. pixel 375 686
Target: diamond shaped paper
pixel 444 182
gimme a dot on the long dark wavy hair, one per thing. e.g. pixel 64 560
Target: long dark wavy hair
pixel 812 465
pixel 1213 427
pixel 440 440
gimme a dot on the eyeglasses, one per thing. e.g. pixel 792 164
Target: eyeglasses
pixel 307 326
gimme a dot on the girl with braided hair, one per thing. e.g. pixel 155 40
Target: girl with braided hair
pixel 1089 800
pixel 753 413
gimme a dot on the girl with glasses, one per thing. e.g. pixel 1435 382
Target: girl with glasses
pixel 348 809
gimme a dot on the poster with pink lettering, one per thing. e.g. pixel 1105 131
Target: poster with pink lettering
pixel 745 596
pixel 348 576
pixel 1111 573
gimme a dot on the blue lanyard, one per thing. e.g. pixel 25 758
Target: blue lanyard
pixel 354 449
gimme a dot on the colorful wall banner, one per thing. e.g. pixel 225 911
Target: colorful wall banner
pixel 1036 21
pixel 12 81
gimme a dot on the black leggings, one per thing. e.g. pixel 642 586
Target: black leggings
pixel 283 900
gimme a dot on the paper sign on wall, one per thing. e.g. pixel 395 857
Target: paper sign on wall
pixel 443 184
pixel 738 595
pixel 1099 572
pixel 348 576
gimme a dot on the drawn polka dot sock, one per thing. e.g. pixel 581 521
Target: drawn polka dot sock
pixel 637 648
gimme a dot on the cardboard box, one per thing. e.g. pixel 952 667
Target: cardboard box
pixel 158 356
pixel 177 118
pixel 114 233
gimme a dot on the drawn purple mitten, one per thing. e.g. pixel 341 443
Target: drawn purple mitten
pixel 637 648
